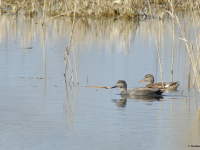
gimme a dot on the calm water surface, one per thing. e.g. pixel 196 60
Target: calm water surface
pixel 40 109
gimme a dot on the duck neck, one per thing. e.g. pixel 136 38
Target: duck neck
pixel 151 81
pixel 124 89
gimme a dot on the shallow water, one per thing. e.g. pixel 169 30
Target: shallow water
pixel 41 110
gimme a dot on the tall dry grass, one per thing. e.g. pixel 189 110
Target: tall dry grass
pixel 189 46
pixel 121 9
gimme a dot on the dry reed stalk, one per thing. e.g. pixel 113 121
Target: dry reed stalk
pixel 66 58
pixel 99 8
pixel 186 43
pixel 106 87
pixel 172 46
pixel 68 47
pixel 197 43
pixel 192 51
pixel 75 61
pixel 197 18
pixel 44 53
pixel 156 43
pixel 72 25
pixel 44 12
pixel 193 57
pixel 189 76
pixel 72 77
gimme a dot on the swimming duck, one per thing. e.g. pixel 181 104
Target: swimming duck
pixel 168 85
pixel 137 91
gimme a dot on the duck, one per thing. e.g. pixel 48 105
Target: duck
pixel 167 85
pixel 142 91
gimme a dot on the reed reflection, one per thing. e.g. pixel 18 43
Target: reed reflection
pixel 70 105
pixel 44 59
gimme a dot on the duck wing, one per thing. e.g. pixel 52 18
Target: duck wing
pixel 167 85
pixel 146 91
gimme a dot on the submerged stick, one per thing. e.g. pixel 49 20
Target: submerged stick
pixel 106 87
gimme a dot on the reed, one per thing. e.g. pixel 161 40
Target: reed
pixel 189 76
pixel 75 61
pixel 156 43
pixel 196 19
pixel 44 57
pixel 190 50
pixel 44 12
pixel 172 45
pixel 68 49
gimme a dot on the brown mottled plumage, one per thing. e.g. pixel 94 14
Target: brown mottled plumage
pixel 167 85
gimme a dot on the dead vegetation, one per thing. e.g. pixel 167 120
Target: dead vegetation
pixel 120 9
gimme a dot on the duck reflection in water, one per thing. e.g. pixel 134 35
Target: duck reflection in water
pixel 122 102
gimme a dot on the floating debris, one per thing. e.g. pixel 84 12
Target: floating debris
pixel 28 47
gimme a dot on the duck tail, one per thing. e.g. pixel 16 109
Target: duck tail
pixel 160 91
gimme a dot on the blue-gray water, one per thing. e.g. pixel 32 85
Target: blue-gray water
pixel 39 109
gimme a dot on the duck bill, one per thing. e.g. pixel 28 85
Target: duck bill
pixel 142 81
pixel 114 87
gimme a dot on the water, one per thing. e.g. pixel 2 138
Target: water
pixel 40 109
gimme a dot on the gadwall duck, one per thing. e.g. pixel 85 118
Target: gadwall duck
pixel 168 85
pixel 137 91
